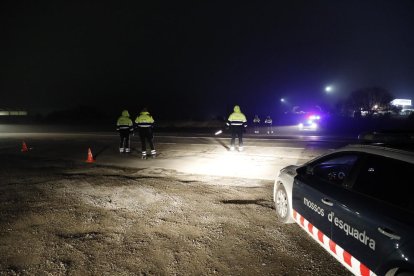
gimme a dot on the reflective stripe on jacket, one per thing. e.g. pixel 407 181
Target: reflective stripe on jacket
pixel 237 118
pixel 144 120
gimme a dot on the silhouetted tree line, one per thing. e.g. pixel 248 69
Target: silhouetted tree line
pixel 365 99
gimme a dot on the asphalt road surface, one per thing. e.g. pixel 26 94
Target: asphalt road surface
pixel 199 153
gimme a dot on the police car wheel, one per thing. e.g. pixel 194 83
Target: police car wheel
pixel 282 204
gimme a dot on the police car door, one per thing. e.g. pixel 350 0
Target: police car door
pixel 317 185
pixel 373 218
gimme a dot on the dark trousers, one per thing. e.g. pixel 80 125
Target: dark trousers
pixel 124 138
pixel 146 135
pixel 269 128
pixel 237 131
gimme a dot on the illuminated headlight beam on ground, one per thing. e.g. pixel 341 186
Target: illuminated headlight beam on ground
pixel 232 164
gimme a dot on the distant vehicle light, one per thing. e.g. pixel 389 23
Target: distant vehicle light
pixel 308 125
pixel 314 117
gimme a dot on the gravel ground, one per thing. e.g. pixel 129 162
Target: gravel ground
pixel 69 218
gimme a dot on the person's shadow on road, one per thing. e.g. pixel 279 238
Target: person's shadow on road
pixel 223 144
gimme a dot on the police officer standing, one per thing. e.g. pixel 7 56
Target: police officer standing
pixel 145 123
pixel 125 127
pixel 268 122
pixel 237 123
pixel 256 123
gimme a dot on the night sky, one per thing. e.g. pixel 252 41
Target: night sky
pixel 199 58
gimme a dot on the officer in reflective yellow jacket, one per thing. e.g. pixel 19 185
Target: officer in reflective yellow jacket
pixel 256 123
pixel 145 123
pixel 125 127
pixel 237 123
pixel 268 123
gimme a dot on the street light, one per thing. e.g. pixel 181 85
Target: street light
pixel 328 89
pixel 284 104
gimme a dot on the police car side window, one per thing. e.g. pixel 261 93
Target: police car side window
pixel 386 179
pixel 335 169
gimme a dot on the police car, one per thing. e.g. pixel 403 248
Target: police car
pixel 310 122
pixel 357 203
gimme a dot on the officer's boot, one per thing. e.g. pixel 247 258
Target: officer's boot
pixel 144 155
pixel 153 153
pixel 121 150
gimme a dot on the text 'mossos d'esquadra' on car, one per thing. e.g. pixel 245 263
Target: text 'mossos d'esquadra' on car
pixel 355 202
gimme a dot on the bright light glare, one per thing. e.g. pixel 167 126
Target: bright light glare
pixel 311 125
pixel 401 102
pixel 235 164
pixel 218 132
pixel 328 89
pixel 314 117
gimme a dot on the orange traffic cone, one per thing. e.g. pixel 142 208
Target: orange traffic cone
pixel 24 147
pixel 90 157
